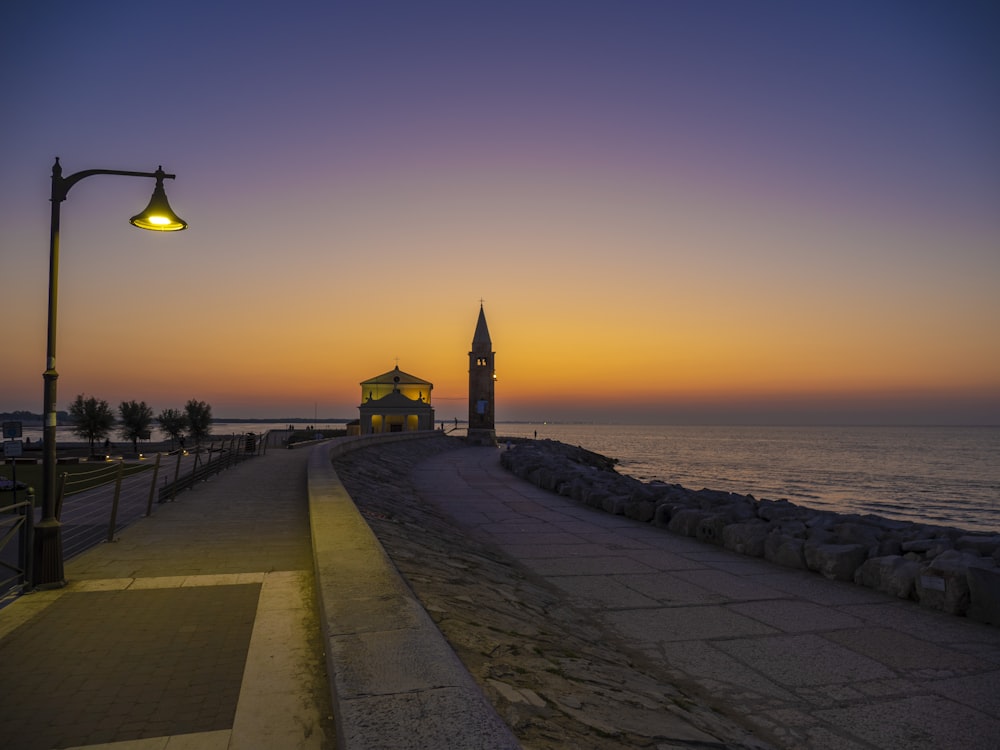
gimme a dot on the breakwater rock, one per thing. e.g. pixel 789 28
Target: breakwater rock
pixel 941 567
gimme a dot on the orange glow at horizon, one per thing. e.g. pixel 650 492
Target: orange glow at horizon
pixel 770 226
pixel 678 350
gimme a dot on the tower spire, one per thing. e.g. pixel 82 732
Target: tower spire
pixel 482 375
pixel 482 335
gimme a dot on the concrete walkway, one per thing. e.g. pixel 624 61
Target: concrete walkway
pixel 196 630
pixel 810 663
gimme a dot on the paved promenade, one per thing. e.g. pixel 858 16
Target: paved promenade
pixel 196 630
pixel 810 663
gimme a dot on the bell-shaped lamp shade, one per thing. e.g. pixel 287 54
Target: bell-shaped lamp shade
pixel 158 216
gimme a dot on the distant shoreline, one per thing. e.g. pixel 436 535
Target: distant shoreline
pixel 118 448
pixel 34 422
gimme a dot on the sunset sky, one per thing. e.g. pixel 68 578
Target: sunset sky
pixel 702 211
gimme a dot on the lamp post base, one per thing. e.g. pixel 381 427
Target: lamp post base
pixel 47 568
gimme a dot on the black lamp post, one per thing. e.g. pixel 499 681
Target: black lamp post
pixel 158 216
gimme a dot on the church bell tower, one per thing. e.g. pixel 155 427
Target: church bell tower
pixel 482 374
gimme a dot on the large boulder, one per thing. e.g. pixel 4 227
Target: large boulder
pixel 685 522
pixel 747 538
pixel 858 533
pixel 785 550
pixel 710 529
pixel 985 545
pixel 595 497
pixel 984 594
pixel 549 478
pixel 711 499
pixel 641 510
pixel 931 547
pixel 615 505
pixel 664 512
pixel 891 545
pixel 574 489
pixel 944 584
pixel 838 562
pixel 891 574
pixel 793 527
pixel 742 510
pixel 776 510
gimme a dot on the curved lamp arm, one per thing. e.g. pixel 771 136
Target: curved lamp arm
pixel 61 185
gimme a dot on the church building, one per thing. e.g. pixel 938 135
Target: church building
pixel 482 375
pixel 396 401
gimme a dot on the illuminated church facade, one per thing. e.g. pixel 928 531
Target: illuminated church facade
pixel 395 401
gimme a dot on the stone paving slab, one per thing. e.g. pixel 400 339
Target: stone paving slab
pixel 714 669
pixel 613 591
pixel 684 623
pixel 932 722
pixel 905 652
pixel 665 589
pixel 594 564
pixel 793 616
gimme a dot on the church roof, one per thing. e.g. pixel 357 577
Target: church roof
pixel 396 376
pixel 396 399
pixel 482 335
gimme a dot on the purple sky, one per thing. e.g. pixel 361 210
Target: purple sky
pixel 774 206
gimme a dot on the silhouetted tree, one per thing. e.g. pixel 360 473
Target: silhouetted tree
pixel 173 422
pixel 199 416
pixel 136 419
pixel 91 419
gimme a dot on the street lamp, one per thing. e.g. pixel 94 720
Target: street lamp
pixel 157 216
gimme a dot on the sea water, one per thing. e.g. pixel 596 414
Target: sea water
pixel 939 475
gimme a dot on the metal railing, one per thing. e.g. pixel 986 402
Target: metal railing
pixel 216 459
pixel 16 522
pixel 117 493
